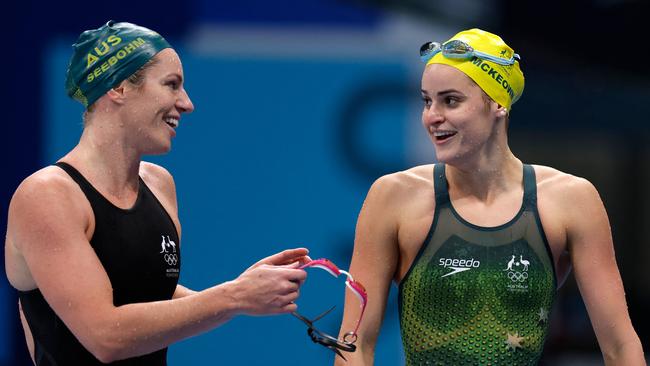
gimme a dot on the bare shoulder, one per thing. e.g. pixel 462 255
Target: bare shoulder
pixel 551 178
pixel 156 175
pixel 45 185
pixel 403 185
pixel 563 188
pixel 46 197
pixel 161 183
pixel 159 180
pixel 404 182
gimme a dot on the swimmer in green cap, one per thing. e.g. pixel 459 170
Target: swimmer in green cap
pixel 479 242
pixel 93 242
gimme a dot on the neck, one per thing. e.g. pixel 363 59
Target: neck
pixel 488 177
pixel 105 157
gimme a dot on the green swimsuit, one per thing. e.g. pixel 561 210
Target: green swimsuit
pixel 478 295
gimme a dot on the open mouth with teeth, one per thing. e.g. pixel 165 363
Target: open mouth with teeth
pixel 171 122
pixel 443 135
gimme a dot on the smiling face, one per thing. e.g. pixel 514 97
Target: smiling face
pixel 459 117
pixel 153 106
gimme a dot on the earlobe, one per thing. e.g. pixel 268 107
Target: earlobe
pixel 502 112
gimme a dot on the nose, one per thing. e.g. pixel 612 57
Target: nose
pixel 432 116
pixel 183 103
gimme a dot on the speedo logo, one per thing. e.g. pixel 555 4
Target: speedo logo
pixel 458 265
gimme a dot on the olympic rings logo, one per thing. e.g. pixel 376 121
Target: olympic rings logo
pixel 171 259
pixel 518 276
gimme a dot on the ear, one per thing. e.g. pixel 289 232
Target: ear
pixel 502 111
pixel 116 94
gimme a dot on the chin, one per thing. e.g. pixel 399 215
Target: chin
pixel 443 156
pixel 159 149
pixel 164 150
pixel 448 157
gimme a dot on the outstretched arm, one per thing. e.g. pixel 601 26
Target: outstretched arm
pixel 592 255
pixel 289 258
pixel 48 220
pixel 374 263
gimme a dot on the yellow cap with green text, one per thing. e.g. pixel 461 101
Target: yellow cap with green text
pixel 503 83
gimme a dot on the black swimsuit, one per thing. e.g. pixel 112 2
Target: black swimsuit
pixel 138 248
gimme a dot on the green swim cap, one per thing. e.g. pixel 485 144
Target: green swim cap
pixel 105 56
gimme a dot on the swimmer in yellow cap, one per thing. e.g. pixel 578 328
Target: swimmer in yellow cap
pixel 479 242
pixel 93 242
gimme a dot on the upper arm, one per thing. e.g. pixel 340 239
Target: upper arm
pixel 374 262
pixel 47 223
pixel 592 254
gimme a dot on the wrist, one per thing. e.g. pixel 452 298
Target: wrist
pixel 230 295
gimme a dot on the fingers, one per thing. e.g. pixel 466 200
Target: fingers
pixel 293 274
pixel 297 277
pixel 275 282
pixel 292 265
pixel 282 303
pixel 304 260
pixel 290 307
pixel 285 257
pixel 292 292
pixel 291 297
pixel 289 304
pixel 290 287
pixel 270 289
pixel 290 272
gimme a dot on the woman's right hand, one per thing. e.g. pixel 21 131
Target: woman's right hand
pixel 271 286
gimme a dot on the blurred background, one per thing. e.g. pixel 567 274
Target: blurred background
pixel 301 105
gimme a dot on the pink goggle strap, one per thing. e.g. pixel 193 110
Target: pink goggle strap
pixel 354 286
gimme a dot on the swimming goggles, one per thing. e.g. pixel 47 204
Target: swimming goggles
pixel 458 49
pixel 322 338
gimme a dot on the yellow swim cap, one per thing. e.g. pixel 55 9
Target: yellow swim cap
pixel 503 83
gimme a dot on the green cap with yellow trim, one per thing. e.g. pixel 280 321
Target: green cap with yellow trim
pixel 105 56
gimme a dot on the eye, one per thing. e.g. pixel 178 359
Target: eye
pixel 451 101
pixel 427 101
pixel 173 84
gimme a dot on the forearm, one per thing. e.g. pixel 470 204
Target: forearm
pixel 629 353
pixel 136 329
pixel 366 342
pixel 360 357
